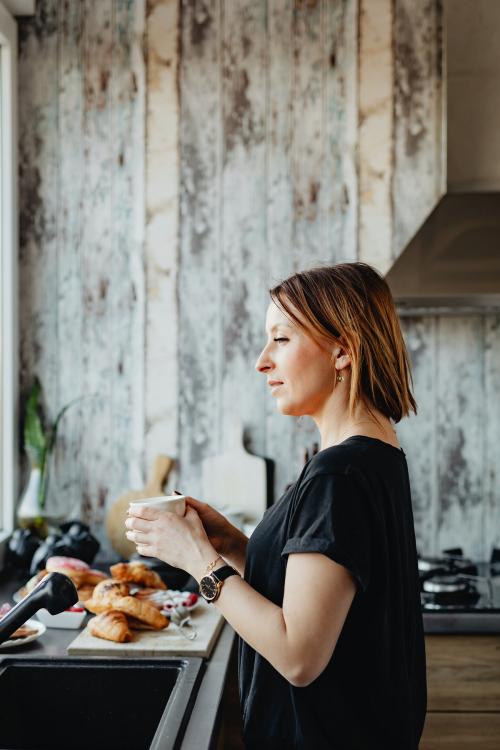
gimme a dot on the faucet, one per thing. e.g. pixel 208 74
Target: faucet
pixel 55 592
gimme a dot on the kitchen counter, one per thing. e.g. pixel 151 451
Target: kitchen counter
pixel 203 726
pixel 461 622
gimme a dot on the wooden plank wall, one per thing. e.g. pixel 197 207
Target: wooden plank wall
pixel 268 103
pixel 81 143
pixel 419 149
pixel 401 133
pixel 452 444
pixel 151 233
pixel 158 434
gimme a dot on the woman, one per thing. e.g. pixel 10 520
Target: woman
pixel 327 602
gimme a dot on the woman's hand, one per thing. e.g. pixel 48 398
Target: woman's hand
pixel 180 541
pixel 219 530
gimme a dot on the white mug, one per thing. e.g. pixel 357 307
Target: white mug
pixel 171 503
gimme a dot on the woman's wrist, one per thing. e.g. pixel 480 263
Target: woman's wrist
pixel 208 560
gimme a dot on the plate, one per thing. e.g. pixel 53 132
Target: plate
pixel 40 627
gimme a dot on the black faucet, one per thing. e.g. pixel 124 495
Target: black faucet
pixel 55 592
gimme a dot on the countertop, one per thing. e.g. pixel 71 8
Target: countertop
pixel 202 728
pixel 461 623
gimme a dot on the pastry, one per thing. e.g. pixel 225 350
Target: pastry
pixel 112 626
pixel 69 566
pixel 142 611
pixel 23 632
pixel 135 624
pixel 137 572
pixel 97 606
pixel 93 577
pixel 109 588
pixel 85 592
pixel 157 597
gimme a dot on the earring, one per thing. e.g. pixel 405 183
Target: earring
pixel 340 378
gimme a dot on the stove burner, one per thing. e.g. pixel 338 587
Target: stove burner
pixel 445 585
pixel 443 591
pixel 447 565
pixel 454 582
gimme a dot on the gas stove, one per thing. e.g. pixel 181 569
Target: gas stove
pixel 458 594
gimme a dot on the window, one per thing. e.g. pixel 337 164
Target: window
pixel 8 274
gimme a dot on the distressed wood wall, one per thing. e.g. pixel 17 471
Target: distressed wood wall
pixel 268 122
pixel 402 151
pixel 452 444
pixel 177 159
pixel 81 155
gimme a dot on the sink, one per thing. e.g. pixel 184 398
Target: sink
pixel 98 703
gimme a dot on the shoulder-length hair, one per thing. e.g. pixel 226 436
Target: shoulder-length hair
pixel 350 304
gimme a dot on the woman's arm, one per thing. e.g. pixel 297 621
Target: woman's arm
pixel 235 554
pixel 298 640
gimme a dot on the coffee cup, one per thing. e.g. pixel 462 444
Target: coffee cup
pixel 170 503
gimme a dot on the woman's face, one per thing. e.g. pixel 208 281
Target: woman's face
pixel 295 360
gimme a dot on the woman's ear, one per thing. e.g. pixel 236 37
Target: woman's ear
pixel 342 359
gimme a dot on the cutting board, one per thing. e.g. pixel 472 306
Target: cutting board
pixel 207 619
pixel 117 514
pixel 236 479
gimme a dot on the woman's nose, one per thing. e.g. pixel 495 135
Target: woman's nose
pixel 263 362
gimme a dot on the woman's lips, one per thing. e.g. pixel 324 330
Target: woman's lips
pixel 275 385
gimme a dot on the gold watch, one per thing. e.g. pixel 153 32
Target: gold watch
pixel 211 584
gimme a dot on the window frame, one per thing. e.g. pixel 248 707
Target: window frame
pixel 9 475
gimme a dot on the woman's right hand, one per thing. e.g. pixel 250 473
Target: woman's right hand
pixel 219 530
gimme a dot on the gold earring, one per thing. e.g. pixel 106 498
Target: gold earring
pixel 340 378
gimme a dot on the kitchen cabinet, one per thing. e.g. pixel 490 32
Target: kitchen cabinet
pixel 463 686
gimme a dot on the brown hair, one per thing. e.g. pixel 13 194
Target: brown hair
pixel 351 304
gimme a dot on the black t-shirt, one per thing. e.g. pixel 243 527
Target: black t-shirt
pixel 352 503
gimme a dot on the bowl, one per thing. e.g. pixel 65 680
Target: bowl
pixel 70 619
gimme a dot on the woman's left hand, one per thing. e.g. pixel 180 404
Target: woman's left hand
pixel 180 541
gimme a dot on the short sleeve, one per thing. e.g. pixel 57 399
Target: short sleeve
pixel 332 517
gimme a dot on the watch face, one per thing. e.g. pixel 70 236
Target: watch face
pixel 208 587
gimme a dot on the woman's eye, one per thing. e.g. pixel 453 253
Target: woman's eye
pixel 280 339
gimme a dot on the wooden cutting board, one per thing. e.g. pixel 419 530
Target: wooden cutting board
pixel 236 479
pixel 207 619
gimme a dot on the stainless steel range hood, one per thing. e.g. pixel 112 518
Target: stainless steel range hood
pixel 452 264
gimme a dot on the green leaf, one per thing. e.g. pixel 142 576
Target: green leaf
pixel 53 432
pixel 35 440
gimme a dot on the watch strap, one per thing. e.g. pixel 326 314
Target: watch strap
pixel 224 572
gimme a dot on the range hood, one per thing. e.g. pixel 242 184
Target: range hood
pixel 452 264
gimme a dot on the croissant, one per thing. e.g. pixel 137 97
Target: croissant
pixel 84 593
pixel 112 626
pixel 96 606
pixel 137 572
pixel 142 611
pixel 110 588
pixel 92 577
pixel 135 624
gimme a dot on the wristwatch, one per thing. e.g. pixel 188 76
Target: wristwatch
pixel 211 584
